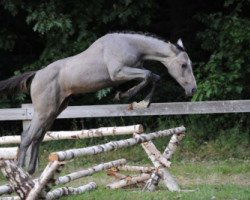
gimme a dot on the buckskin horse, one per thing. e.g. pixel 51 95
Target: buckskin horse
pixel 111 60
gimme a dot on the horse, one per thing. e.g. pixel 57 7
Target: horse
pixel 111 60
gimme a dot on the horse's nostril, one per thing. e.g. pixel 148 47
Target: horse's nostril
pixel 194 90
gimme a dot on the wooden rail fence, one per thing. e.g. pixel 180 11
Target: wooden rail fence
pixel 122 110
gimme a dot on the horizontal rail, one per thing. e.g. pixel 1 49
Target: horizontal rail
pixel 121 110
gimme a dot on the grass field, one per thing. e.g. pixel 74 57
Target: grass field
pixel 210 180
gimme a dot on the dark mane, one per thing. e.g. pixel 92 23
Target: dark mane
pixel 147 34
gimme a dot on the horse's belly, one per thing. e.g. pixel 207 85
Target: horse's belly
pixel 85 80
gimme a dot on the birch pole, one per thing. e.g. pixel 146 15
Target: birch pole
pixel 153 152
pixel 19 180
pixel 89 171
pixel 65 191
pixel 5 189
pixel 8 153
pixel 165 175
pixel 172 145
pixel 63 135
pixel 139 169
pixel 129 181
pixel 153 182
pixel 45 177
pixel 74 153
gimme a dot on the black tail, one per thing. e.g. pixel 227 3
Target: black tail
pixel 16 83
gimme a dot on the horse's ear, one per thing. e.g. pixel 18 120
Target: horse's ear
pixel 179 42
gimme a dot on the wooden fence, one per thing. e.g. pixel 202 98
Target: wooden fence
pixel 25 113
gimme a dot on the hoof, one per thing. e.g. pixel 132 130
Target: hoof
pixel 139 105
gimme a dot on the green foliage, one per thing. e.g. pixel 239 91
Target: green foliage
pixel 103 93
pixel 227 38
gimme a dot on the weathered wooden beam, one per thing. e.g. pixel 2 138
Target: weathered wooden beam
pixel 178 108
pixel 82 134
pixel 73 153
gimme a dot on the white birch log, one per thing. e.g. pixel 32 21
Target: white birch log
pixel 63 135
pixel 19 180
pixel 38 190
pixel 10 198
pixel 151 150
pixel 8 153
pixel 172 145
pixel 129 181
pixel 5 189
pixel 168 180
pixel 153 182
pixel 139 169
pixel 89 171
pixel 65 191
pixel 73 153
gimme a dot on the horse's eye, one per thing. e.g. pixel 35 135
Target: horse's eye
pixel 184 66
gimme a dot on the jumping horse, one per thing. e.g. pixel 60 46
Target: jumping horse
pixel 111 60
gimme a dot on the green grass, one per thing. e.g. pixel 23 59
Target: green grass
pixel 210 179
pixel 202 192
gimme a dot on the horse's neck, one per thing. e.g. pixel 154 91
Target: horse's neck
pixel 153 48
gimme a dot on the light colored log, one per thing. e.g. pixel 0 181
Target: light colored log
pixel 10 198
pixel 139 169
pixel 63 135
pixel 38 190
pixel 73 153
pixel 151 150
pixel 19 180
pixel 65 191
pixel 89 171
pixel 153 182
pixel 8 153
pixel 168 180
pixel 5 189
pixel 172 145
pixel 129 181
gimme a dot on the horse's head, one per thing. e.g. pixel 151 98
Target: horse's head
pixel 180 67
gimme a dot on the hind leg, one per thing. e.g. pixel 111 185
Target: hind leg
pixel 38 138
pixel 37 128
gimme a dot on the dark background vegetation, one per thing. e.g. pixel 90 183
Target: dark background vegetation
pixel 216 35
